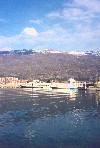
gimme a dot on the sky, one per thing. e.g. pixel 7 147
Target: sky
pixel 50 24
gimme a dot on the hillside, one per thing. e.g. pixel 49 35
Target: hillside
pixel 50 66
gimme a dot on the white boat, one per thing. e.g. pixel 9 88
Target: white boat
pixel 58 85
pixel 71 84
pixel 37 84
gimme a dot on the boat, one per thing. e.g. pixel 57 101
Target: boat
pixel 37 84
pixel 71 84
pixel 58 85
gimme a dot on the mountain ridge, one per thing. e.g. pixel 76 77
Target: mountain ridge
pixel 45 51
pixel 50 66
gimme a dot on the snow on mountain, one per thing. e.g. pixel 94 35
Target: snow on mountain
pixel 52 51
pixel 76 53
pixel 46 51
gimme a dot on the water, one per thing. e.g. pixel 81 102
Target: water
pixel 51 119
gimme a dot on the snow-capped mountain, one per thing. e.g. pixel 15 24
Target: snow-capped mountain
pixel 52 51
pixel 46 51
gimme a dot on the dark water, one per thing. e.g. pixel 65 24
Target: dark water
pixel 49 120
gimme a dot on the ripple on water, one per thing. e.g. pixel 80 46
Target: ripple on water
pixel 49 120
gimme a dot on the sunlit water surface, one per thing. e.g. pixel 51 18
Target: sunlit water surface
pixel 49 119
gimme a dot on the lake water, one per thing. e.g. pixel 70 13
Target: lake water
pixel 54 119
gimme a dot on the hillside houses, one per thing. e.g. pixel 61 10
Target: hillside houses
pixel 11 82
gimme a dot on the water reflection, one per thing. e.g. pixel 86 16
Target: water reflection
pixel 96 94
pixel 41 104
pixel 98 97
pixel 56 118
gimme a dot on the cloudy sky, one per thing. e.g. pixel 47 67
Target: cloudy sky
pixel 53 24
